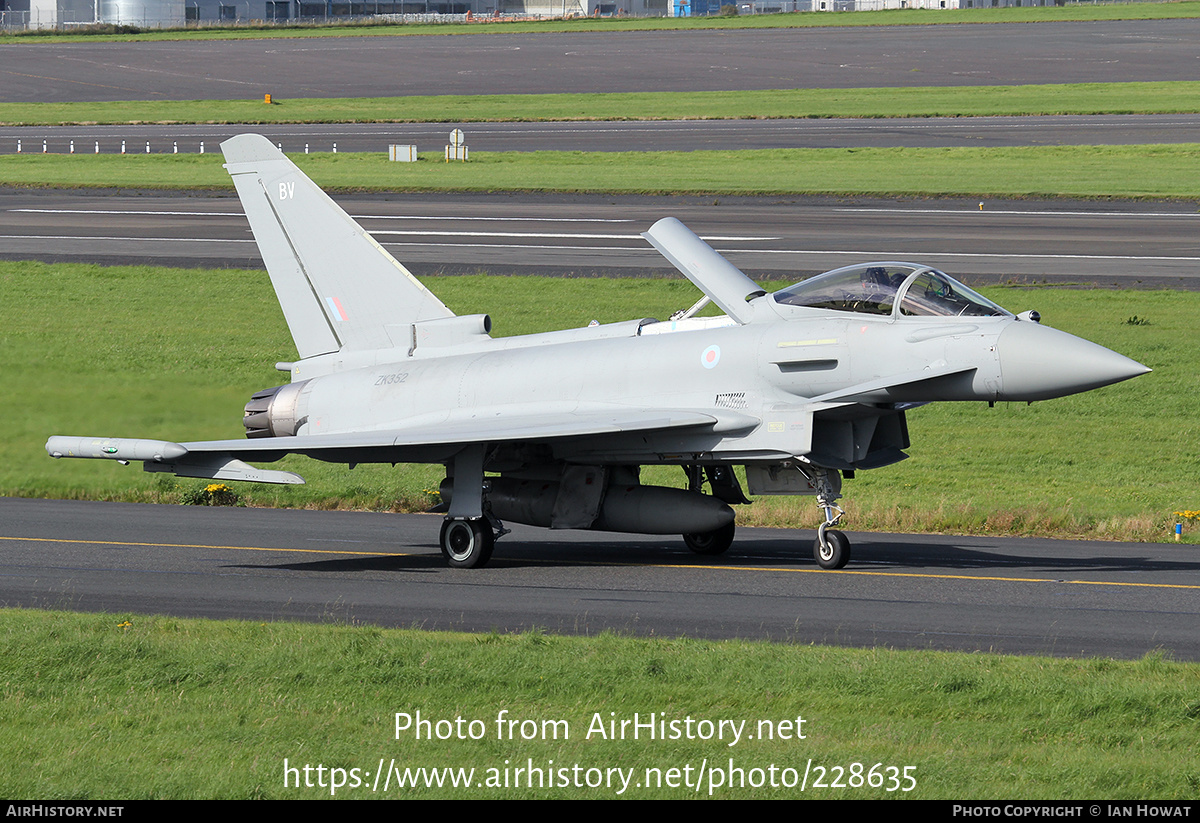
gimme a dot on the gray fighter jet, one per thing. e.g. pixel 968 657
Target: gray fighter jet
pixel 800 387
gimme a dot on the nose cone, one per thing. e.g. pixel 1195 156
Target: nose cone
pixel 1038 363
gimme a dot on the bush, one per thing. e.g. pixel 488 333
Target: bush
pixel 214 494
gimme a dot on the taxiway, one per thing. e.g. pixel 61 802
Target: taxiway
pixel 1053 597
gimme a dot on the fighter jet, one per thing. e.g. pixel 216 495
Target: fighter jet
pixel 801 387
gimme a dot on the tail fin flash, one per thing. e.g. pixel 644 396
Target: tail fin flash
pixel 338 288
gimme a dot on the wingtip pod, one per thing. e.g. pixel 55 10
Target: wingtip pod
pixel 165 456
pixel 125 449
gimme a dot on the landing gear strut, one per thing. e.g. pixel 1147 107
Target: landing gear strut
pixel 831 549
pixel 468 533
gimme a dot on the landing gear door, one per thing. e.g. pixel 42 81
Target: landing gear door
pixel 777 478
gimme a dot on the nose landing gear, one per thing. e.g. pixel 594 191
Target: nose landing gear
pixel 831 549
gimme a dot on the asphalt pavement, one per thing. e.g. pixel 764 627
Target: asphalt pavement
pixel 589 62
pixel 1028 596
pixel 1125 244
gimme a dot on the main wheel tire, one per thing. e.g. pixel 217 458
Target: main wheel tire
pixel 835 553
pixel 467 544
pixel 711 543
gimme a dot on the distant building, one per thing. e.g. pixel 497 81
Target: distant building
pixel 41 14
pixel 878 5
pixel 57 14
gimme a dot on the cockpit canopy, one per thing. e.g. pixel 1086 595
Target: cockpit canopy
pixel 894 289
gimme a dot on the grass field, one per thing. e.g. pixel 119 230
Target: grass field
pixel 950 101
pixel 174 354
pixel 1043 171
pixel 125 707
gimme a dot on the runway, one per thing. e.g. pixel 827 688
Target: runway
pixel 849 57
pixel 1066 598
pixel 1121 244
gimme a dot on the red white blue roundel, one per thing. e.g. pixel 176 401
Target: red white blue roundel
pixel 710 357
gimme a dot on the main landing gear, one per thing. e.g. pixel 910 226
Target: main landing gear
pixel 467 544
pixel 711 543
pixel 724 485
pixel 469 532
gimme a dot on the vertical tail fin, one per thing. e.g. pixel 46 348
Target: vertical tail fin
pixel 338 288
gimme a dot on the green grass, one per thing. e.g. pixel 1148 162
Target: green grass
pixel 951 101
pixel 1165 171
pixel 174 354
pixel 907 17
pixel 122 706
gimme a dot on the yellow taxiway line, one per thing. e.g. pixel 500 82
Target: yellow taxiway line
pixel 858 572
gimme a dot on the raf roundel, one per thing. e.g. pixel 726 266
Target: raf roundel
pixel 710 357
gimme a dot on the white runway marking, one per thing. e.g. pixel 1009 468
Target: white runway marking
pixel 865 255
pixel 969 212
pixel 355 216
pixel 544 235
pixel 961 212
pixel 122 239
pixel 923 255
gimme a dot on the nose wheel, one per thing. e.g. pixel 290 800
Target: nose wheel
pixel 831 549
